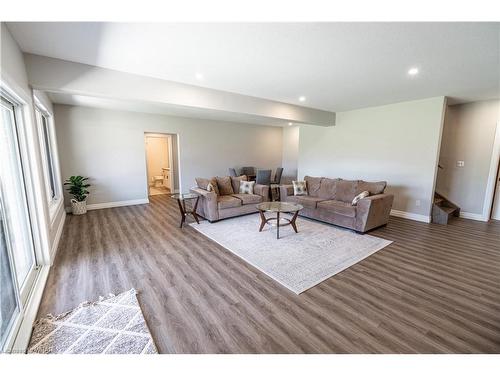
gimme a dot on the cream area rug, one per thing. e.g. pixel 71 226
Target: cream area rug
pixel 298 261
pixel 110 326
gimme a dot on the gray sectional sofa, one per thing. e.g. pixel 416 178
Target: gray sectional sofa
pixel 330 200
pixel 227 202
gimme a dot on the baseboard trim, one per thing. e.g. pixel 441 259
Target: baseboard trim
pixel 23 335
pixel 98 206
pixel 411 216
pixel 471 216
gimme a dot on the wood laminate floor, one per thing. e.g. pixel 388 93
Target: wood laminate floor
pixel 434 290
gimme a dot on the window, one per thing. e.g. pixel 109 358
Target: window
pixel 17 249
pixel 47 148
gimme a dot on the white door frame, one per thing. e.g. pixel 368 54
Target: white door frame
pixel 492 177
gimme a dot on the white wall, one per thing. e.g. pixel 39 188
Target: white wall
pixel 290 155
pixel 398 143
pixel 108 146
pixel 468 136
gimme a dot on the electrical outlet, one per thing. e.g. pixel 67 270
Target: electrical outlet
pixel 417 203
pixel 460 163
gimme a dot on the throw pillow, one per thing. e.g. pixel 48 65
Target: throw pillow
pixel 212 186
pixel 360 196
pixel 246 187
pixel 236 182
pixel 224 185
pixel 299 188
pixel 202 182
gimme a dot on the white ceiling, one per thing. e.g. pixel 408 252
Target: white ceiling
pixel 337 66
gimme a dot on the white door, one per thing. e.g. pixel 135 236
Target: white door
pixel 496 202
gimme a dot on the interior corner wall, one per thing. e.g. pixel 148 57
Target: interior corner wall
pixel 108 146
pixel 398 143
pixel 468 135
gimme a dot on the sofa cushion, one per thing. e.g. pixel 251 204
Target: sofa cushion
pixel 305 200
pixel 341 208
pixel 235 182
pixel 373 188
pixel 313 185
pixel 227 201
pixel 328 188
pixel 248 198
pixel 346 190
pixel 224 185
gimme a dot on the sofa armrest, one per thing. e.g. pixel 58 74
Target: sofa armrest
pixel 207 206
pixel 373 211
pixel 285 191
pixel 262 190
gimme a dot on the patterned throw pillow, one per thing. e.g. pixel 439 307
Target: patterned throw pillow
pixel 360 196
pixel 246 187
pixel 299 188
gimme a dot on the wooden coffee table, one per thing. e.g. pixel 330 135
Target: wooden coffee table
pixel 278 208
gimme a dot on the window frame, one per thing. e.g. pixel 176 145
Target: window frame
pixel 21 107
pixel 49 158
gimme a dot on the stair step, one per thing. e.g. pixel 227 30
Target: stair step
pixel 448 210
pixel 438 200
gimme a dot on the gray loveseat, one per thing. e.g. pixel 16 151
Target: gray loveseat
pixel 227 202
pixel 330 200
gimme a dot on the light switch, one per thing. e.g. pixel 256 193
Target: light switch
pixel 460 163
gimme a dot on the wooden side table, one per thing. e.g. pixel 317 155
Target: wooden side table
pixel 181 201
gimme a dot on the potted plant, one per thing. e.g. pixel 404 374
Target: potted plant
pixel 78 189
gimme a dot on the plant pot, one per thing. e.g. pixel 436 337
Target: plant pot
pixel 78 208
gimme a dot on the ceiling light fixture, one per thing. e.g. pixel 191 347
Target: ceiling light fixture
pixel 413 71
pixel 199 76
pixel 302 98
pixel 290 124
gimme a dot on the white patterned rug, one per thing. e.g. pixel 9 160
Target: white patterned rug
pixel 110 326
pixel 298 261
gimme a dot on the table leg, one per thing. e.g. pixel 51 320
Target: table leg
pixel 262 220
pixel 278 225
pixel 183 212
pixel 194 210
pixel 292 222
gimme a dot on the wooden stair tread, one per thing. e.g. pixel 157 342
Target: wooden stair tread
pixel 448 210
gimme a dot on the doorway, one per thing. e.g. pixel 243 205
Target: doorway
pixel 160 163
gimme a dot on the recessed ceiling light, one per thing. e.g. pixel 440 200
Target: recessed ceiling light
pixel 302 98
pixel 199 76
pixel 290 124
pixel 413 71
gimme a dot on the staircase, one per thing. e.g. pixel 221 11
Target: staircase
pixel 443 210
